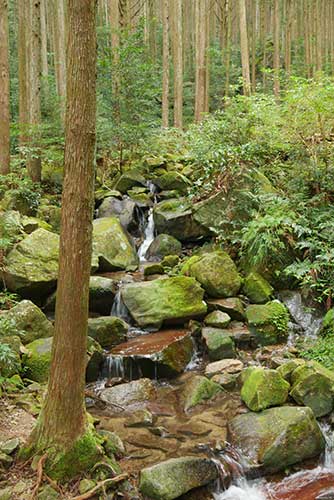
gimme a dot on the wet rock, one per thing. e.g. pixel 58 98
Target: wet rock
pixel 313 386
pixel 162 354
pixel 123 209
pixel 288 367
pixel 326 495
pixel 264 388
pixel 164 300
pixel 28 322
pixel 303 311
pixel 276 438
pixel 268 322
pixel 171 479
pixel 257 288
pixel 197 390
pixel 130 394
pixel 218 343
pixel 175 217
pixel 230 366
pixel 31 268
pixel 141 418
pixel 128 180
pixel 233 306
pixel 216 272
pixel 217 319
pixel 107 330
pixel 163 245
pixel 112 247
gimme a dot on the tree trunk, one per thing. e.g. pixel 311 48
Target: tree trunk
pixel 276 48
pixel 201 60
pixel 23 73
pixel 58 15
pixel 34 159
pixel 165 64
pixel 244 47
pixel 4 90
pixel 178 61
pixel 62 429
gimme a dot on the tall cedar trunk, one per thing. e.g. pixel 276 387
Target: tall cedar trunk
pixel 63 417
pixel 4 90
pixel 178 61
pixel 22 67
pixel 276 48
pixel 227 46
pixel 288 36
pixel 201 72
pixel 34 160
pixel 244 47
pixel 165 64
pixel 59 28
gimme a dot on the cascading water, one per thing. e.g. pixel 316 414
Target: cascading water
pixel 119 309
pixel 149 227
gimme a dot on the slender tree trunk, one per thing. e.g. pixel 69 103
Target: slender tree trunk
pixel 165 64
pixel 288 37
pixel 34 159
pixel 228 46
pixel 244 47
pixel 276 48
pixel 45 67
pixel 23 12
pixel 178 61
pixel 58 15
pixel 63 423
pixel 201 60
pixel 4 90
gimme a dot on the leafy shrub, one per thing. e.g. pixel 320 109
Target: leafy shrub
pixel 8 360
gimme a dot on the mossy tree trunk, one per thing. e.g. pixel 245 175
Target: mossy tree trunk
pixel 4 89
pixel 62 429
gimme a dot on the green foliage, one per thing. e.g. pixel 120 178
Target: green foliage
pixel 8 360
pixel 8 300
pixel 322 351
pixel 20 187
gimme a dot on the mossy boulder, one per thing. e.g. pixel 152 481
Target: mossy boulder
pixel 108 331
pixel 217 319
pixel 128 180
pixel 218 343
pixel 31 224
pixel 164 300
pixel 28 322
pixel 264 388
pixel 313 386
pixel 123 209
pixel 175 217
pixel 232 306
pixel 328 323
pixel 112 443
pixel 268 322
pixel 175 477
pixel 50 214
pixel 216 272
pixel 257 288
pixel 287 368
pixel 112 246
pixel 172 181
pixel 163 245
pixel 154 268
pixel 274 439
pixel 198 390
pixel 11 229
pixel 31 268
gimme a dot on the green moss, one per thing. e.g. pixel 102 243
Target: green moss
pixel 37 360
pixel 269 322
pixel 199 390
pixel 219 344
pixel 257 289
pixel 263 389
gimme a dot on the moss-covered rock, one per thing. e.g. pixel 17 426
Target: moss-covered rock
pixel 163 300
pixel 107 330
pixel 163 245
pixel 128 180
pixel 171 479
pixel 264 388
pixel 112 246
pixel 268 322
pixel 217 319
pixel 287 368
pixel 175 217
pixel 198 390
pixel 123 209
pixel 31 224
pixel 313 386
pixel 328 323
pixel 219 344
pixel 130 394
pixel 50 214
pixel 232 306
pixel 112 443
pixel 31 268
pixel 170 261
pixel 216 272
pixel 257 289
pixel 28 322
pixel 172 181
pixel 276 438
pixel 154 268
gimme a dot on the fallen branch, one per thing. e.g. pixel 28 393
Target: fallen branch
pixel 39 475
pixel 102 484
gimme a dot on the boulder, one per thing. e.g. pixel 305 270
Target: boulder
pixel 230 366
pixel 123 209
pixel 175 217
pixel 217 319
pixel 108 331
pixel 197 390
pixel 218 343
pixel 172 181
pixel 257 288
pixel 288 367
pixel 164 300
pixel 31 268
pixel 28 322
pixel 50 214
pixel 152 269
pixel 313 386
pixel 162 246
pixel 268 322
pixel 31 224
pixel 264 388
pixel 232 306
pixel 175 477
pixel 130 394
pixel 112 246
pixel 241 335
pixel 128 180
pixel 216 272
pixel 276 438
pixel 162 354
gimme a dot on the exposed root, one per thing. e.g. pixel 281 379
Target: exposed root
pixel 39 476
pixel 101 485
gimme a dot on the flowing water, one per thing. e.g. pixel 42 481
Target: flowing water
pixel 119 309
pixel 149 228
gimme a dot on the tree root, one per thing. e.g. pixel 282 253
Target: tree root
pixel 102 484
pixel 39 476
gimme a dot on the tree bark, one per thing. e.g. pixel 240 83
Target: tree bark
pixel 59 28
pixel 63 421
pixel 4 90
pixel 165 64
pixel 276 48
pixel 244 47
pixel 178 61
pixel 201 59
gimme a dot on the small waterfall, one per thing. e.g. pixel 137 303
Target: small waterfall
pixel 114 367
pixel 307 318
pixel 119 309
pixel 148 237
pixel 242 490
pixel 328 458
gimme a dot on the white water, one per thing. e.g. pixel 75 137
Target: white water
pixel 119 309
pixel 242 490
pixel 305 317
pixel 148 237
